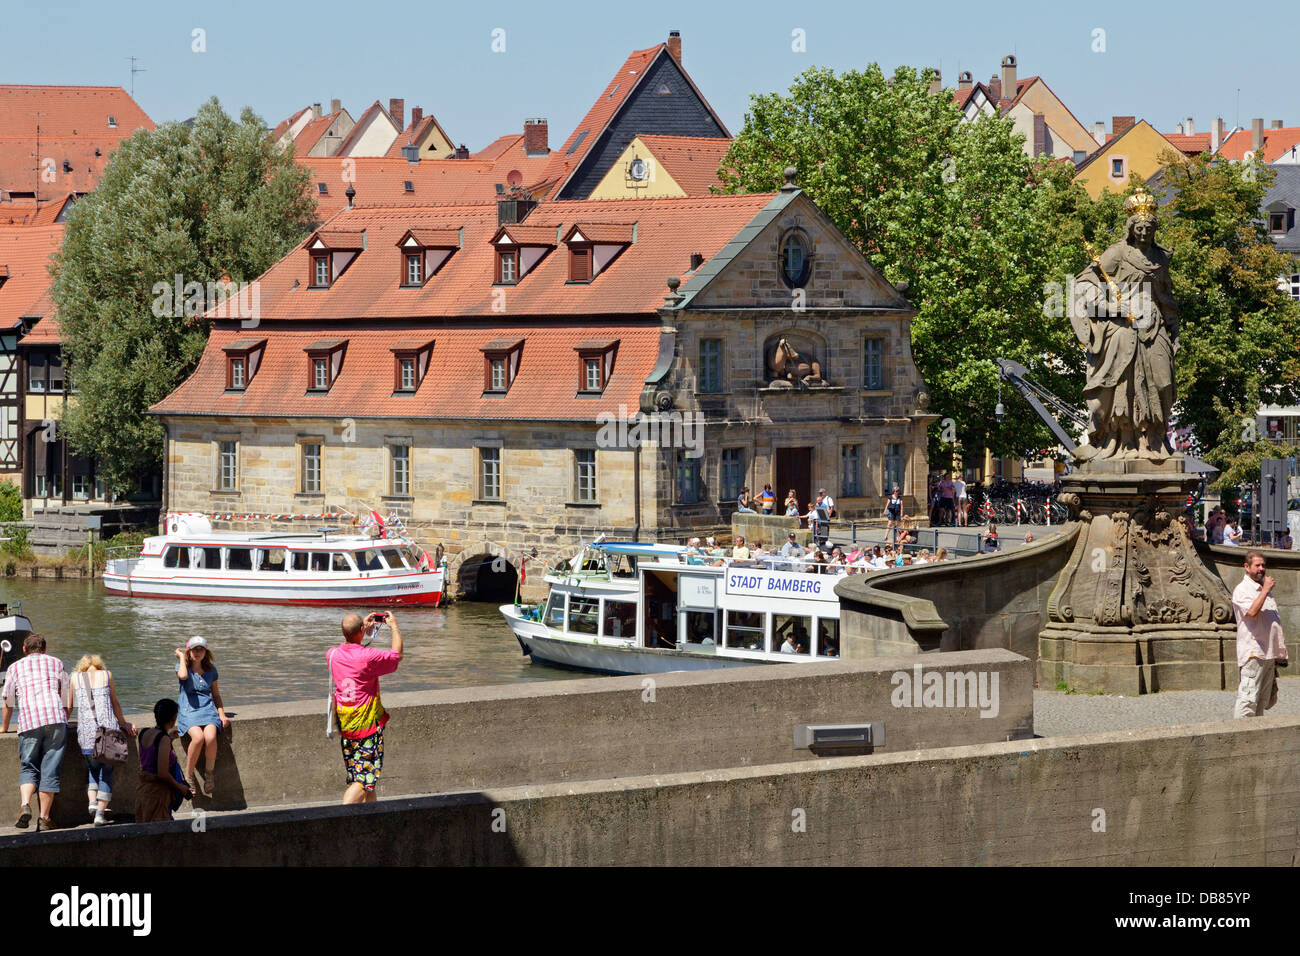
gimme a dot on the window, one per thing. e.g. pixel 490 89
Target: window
pixel 56 373
pixel 320 373
pixel 583 615
pixel 498 375
pixel 620 619
pixel 101 490
pixel 579 263
pixel 1117 167
pixel 797 628
pixel 555 610
pixel 489 470
pixel 36 362
pixel 228 466
pixel 273 560
pixel 745 629
pixel 406 374
pixel 794 260
pixel 851 471
pixel 873 364
pixel 322 189
pixel 893 468
pixel 414 269
pixel 401 469
pixel 506 267
pixel 710 374
pixel 237 372
pixel 591 379
pixel 1277 223
pixel 239 559
pixel 733 473
pixel 311 468
pixel 688 484
pixel 339 562
pixel 584 471
pixel 81 487
pixel 501 358
pixel 1291 285
pixel 320 270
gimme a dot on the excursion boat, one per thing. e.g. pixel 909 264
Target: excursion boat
pixel 632 608
pixel 14 629
pixel 325 567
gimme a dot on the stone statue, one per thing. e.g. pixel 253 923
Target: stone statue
pixel 1124 313
pixel 791 367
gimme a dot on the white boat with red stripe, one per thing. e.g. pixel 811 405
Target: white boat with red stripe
pixel 319 567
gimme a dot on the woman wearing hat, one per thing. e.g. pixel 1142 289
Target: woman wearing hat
pixel 201 710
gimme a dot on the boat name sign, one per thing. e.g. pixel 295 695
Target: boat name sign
pixel 809 587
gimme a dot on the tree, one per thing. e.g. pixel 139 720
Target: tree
pixel 954 209
pixel 201 203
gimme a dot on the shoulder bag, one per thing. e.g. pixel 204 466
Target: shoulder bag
pixel 110 745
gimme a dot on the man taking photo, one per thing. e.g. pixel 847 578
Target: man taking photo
pixel 355 671
pixel 1261 649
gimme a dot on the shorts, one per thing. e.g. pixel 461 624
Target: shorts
pixel 363 759
pixel 1257 691
pixel 946 503
pixel 99 776
pixel 40 755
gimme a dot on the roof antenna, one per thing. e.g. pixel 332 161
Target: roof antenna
pixel 351 194
pixel 134 71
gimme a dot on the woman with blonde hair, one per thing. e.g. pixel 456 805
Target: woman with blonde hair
pixel 91 690
pixel 202 712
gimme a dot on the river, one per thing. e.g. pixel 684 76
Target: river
pixel 264 653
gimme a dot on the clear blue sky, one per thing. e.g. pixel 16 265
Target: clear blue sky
pixel 278 57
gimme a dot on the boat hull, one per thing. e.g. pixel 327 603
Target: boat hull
pixel 427 591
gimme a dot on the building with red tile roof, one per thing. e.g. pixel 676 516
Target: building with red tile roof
pixel 469 372
pixel 1047 124
pixel 1273 144
pixel 665 166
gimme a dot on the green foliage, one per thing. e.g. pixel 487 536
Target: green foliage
pixel 956 210
pixel 215 199
pixel 122 543
pixel 16 542
pixel 11 501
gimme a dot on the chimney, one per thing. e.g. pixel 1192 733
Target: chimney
pixel 336 105
pixel 417 114
pixel 397 108
pixel 315 111
pixel 1099 133
pixel 1040 135
pixel 535 137
pixel 936 83
pixel 675 45
pixel 1276 124
pixel 1119 124
pixel 964 80
pixel 1190 129
pixel 995 89
pixel 462 152
pixel 1216 134
pixel 1009 76
pixel 1256 133
pixel 1179 129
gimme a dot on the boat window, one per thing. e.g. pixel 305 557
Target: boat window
pixel 273 559
pixel 320 561
pixel 828 637
pixel 238 559
pixel 368 561
pixel 792 634
pixel 555 610
pixel 175 557
pixel 301 561
pixel 699 627
pixel 210 557
pixel 582 615
pixel 620 618
pixel 745 629
pixel 393 557
pixel 341 562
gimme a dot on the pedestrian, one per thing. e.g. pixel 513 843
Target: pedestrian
pixel 354 673
pixel 91 690
pixel 1284 540
pixel 959 496
pixel 767 500
pixel 39 684
pixel 947 504
pixel 826 501
pixel 202 712
pixel 160 791
pixel 1232 533
pixel 1261 648
pixel 894 512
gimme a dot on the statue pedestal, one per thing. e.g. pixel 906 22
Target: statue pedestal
pixel 1135 610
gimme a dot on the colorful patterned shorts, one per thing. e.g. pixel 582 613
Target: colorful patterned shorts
pixel 364 759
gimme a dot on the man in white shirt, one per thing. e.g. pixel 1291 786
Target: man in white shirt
pixel 1261 648
pixel 824 500
pixel 1232 532
pixel 959 493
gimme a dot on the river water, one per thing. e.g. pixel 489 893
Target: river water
pixel 264 654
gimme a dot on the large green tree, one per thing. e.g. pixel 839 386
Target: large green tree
pixel 205 202
pixel 954 209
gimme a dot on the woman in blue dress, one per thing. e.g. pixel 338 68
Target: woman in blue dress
pixel 201 710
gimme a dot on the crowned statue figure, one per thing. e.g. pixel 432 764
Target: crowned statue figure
pixel 1123 312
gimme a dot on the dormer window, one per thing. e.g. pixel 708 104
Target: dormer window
pixel 324 363
pixel 595 364
pixel 594 245
pixel 322 189
pixel 1279 223
pixel 796 259
pixel 243 358
pixel 320 271
pixel 410 362
pixel 331 252
pixel 520 248
pixel 112 122
pixel 423 253
pixel 501 364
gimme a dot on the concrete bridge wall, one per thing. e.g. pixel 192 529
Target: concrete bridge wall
pixel 1214 794
pixel 500 736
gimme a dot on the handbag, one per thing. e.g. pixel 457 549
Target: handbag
pixel 331 712
pixel 110 745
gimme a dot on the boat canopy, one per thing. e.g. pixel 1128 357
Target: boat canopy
pixel 637 548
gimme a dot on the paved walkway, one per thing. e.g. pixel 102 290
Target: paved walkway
pixel 1059 714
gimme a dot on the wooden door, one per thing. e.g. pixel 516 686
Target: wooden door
pixel 793 470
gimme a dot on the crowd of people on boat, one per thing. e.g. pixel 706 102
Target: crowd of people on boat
pixel 814 557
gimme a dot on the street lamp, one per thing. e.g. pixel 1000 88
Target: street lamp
pixel 1000 410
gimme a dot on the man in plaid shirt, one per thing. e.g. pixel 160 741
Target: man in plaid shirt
pixel 39 682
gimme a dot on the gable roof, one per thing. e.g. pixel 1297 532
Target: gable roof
pixel 416 133
pixel 311 134
pixel 1276 142
pixel 1189 144
pixel 25 253
pixel 373 113
pixel 692 161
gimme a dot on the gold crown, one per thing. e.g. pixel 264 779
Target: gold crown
pixel 1141 204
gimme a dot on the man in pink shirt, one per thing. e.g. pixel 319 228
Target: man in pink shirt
pixel 355 671
pixel 39 683
pixel 1261 647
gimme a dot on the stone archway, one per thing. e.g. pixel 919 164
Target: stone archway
pixel 486 573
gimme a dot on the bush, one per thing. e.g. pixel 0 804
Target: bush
pixel 16 536
pixel 11 502
pixel 124 539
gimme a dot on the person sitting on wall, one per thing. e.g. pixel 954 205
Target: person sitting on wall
pixel 991 539
pixel 766 500
pixel 742 503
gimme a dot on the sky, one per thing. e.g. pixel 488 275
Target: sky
pixel 1102 60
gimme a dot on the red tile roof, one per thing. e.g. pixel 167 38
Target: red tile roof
pixel 544 389
pixel 603 231
pixel 1276 143
pixel 416 133
pixel 668 231
pixel 25 251
pixel 1189 144
pixel 283 126
pixel 30 214
pixel 692 161
pixel 312 133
